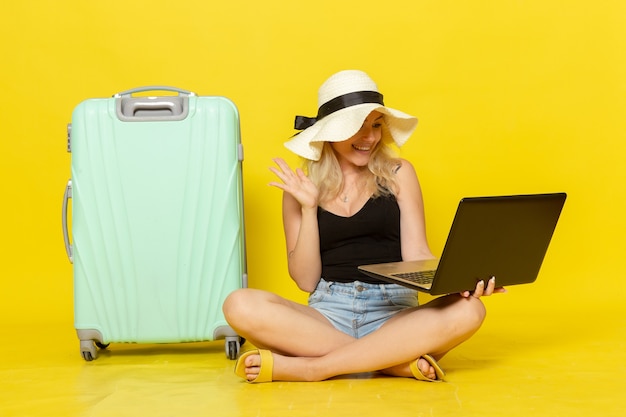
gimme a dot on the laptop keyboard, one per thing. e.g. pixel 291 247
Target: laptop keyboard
pixel 419 277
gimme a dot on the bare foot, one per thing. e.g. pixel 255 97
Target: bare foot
pixel 426 368
pixel 253 366
pixel 284 368
pixel 287 368
pixel 405 370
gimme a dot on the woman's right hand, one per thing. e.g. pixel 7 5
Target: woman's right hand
pixel 296 183
pixel 300 197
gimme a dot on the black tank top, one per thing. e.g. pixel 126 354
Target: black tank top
pixel 372 235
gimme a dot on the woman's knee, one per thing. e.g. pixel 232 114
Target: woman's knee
pixel 474 312
pixel 239 305
pixel 466 315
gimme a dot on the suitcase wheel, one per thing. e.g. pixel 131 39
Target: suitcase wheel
pixel 88 349
pixel 233 346
pixel 102 345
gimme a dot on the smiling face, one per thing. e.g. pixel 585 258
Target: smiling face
pixel 358 149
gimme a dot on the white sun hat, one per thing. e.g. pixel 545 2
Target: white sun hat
pixel 344 102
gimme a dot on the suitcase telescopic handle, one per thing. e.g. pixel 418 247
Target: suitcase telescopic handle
pixel 131 108
pixel 180 91
pixel 66 234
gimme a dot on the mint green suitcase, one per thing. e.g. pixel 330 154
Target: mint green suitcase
pixel 156 234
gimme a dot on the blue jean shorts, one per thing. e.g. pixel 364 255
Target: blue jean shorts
pixel 359 308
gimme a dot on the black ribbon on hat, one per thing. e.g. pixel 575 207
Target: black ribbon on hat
pixel 338 103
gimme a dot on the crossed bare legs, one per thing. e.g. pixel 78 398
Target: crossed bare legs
pixel 306 347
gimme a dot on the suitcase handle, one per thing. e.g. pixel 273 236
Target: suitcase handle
pixel 66 234
pixel 152 109
pixel 154 88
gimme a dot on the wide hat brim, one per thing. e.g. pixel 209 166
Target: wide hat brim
pixel 345 123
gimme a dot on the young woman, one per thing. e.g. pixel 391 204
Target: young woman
pixel 354 203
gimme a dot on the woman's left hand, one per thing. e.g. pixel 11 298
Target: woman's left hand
pixel 481 291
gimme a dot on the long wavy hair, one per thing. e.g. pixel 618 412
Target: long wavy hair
pixel 383 164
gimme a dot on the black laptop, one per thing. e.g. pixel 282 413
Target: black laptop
pixel 502 236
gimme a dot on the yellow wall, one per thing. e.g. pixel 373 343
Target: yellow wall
pixel 513 97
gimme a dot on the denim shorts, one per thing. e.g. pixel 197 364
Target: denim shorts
pixel 359 308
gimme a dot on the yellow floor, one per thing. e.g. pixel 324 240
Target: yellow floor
pixel 539 364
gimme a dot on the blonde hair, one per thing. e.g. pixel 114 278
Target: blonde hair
pixel 382 167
